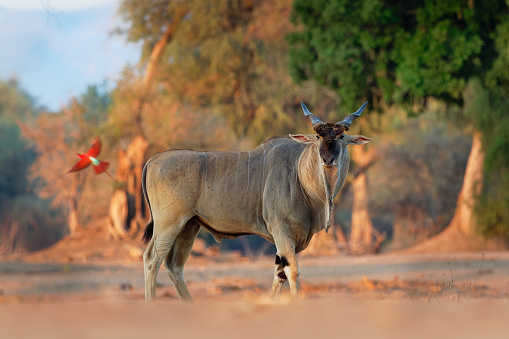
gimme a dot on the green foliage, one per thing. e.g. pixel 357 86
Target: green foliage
pixel 344 45
pixel 498 76
pixel 15 155
pixel 95 101
pixel 492 208
pixel 397 52
pixel 15 159
pixel 15 103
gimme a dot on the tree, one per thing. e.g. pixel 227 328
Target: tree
pixel 224 58
pixel 492 119
pixel 362 230
pixel 401 53
pixel 57 137
pixel 126 206
pixel 415 184
pixel 26 222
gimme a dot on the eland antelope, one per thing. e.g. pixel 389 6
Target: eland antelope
pixel 282 191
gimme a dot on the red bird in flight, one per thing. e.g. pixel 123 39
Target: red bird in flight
pixel 91 158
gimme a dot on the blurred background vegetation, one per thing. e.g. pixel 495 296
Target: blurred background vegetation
pixel 229 74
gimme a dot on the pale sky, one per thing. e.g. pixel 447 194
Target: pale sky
pixel 56 51
pixel 54 5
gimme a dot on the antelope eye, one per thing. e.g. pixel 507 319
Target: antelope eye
pixel 317 136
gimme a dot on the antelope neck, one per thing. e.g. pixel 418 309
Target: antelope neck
pixel 319 183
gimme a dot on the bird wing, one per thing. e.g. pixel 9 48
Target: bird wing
pixel 103 165
pixel 95 149
pixel 84 162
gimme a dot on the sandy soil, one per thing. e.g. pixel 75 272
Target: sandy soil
pixel 385 296
pixel 332 317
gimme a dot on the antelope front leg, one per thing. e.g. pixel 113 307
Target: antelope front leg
pixel 287 268
pixel 292 273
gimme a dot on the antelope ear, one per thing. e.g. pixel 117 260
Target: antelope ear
pixel 303 138
pixel 357 139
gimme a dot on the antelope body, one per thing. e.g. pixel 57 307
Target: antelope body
pixel 282 191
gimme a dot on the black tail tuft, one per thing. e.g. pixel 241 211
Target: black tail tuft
pixel 147 234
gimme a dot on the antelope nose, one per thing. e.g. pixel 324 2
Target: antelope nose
pixel 328 161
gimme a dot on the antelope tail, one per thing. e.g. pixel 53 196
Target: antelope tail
pixel 149 229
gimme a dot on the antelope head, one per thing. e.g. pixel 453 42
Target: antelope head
pixel 331 138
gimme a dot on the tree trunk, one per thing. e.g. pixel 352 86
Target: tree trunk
pixel 119 206
pixel 459 235
pixel 136 155
pixel 361 237
pixel 150 70
pixel 75 190
pixel 119 214
pixel 73 219
pixel 13 239
pixel 127 209
pixel 362 228
pixel 464 217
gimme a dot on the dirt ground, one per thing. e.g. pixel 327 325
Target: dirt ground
pixel 385 296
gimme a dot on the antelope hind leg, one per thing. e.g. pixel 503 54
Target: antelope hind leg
pixel 157 250
pixel 177 257
pixel 151 264
pixel 279 276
